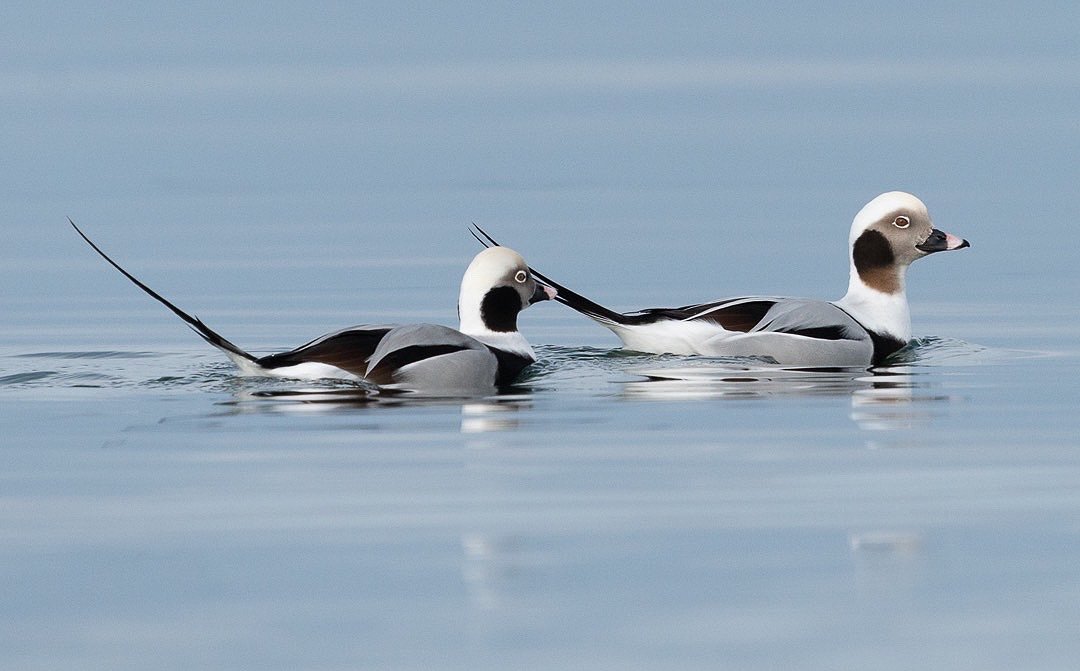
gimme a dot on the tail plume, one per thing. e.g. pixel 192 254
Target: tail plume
pixel 196 324
pixel 569 298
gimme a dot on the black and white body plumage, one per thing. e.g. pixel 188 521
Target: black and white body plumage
pixel 486 353
pixel 861 329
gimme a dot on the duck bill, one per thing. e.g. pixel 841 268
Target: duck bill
pixel 940 241
pixel 542 293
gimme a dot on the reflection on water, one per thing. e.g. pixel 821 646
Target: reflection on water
pixel 730 502
pixel 707 380
pixel 888 398
pixel 478 415
pixel 883 399
pixel 500 414
pixel 489 568
pixel 897 542
pixel 894 397
pixel 902 402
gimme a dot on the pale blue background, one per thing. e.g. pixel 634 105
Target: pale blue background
pixel 701 128
pixel 284 169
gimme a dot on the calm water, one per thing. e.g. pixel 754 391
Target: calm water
pixel 282 174
pixel 617 511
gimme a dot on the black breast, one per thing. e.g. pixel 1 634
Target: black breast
pixel 510 366
pixel 884 346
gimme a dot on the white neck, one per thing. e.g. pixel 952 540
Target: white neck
pixel 470 322
pixel 511 341
pixel 876 310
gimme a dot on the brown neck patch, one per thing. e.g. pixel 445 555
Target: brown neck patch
pixel 885 280
pixel 875 262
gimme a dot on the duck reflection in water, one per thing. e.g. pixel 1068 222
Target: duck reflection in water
pixel 889 398
pixel 478 414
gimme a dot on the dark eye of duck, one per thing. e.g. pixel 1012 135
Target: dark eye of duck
pixel 520 276
pixel 901 222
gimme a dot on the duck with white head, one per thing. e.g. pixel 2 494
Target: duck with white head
pixel 485 354
pixel 870 323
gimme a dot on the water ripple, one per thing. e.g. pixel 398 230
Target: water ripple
pixel 24 378
pixel 940 350
pixel 104 354
pixel 560 369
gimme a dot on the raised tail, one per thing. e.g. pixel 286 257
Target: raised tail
pixel 567 297
pixel 239 356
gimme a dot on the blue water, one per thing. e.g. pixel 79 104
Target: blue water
pixel 282 172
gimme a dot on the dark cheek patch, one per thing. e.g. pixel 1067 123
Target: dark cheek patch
pixel 875 262
pixel 500 309
pixel 872 250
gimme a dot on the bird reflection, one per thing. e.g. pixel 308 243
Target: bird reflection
pixel 478 414
pixel 707 380
pixel 891 398
pixel 886 398
pixel 492 415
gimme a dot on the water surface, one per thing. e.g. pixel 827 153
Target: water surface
pixel 284 173
pixel 627 508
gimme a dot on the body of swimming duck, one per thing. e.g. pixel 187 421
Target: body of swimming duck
pixel 487 351
pixel 871 322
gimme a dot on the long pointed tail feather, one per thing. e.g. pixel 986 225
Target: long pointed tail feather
pixel 476 232
pixel 576 301
pixel 567 297
pixel 196 324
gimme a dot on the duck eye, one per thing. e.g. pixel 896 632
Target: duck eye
pixel 520 276
pixel 901 222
